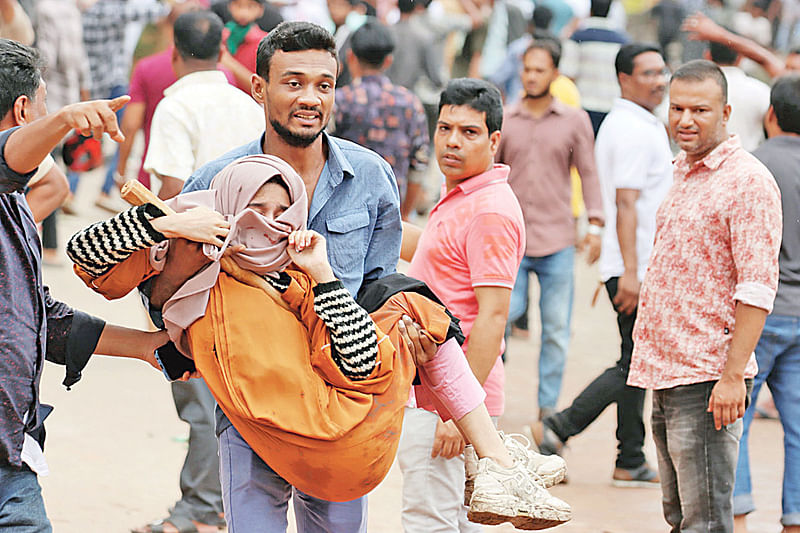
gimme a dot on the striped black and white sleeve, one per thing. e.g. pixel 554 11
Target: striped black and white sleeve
pixel 104 244
pixel 354 341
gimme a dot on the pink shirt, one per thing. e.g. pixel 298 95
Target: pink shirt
pixel 475 237
pixel 718 235
pixel 540 152
pixel 150 77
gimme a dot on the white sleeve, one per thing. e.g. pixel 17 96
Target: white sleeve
pixel 171 150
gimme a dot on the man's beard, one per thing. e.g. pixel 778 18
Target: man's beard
pixel 537 96
pixel 294 139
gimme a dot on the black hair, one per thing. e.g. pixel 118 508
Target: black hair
pixel 294 36
pixel 542 17
pixel 785 101
pixel 21 70
pixel 722 54
pixel 280 180
pixel 701 70
pixel 480 95
pixel 372 43
pixel 551 46
pixel 407 6
pixel 197 35
pixel 600 8
pixel 628 53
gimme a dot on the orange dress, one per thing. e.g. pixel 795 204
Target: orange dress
pixel 271 371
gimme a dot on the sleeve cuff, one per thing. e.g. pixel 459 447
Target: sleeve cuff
pixel 755 294
pixel 324 288
pixel 83 338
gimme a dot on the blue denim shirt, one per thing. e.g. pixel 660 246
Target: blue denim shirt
pixel 355 206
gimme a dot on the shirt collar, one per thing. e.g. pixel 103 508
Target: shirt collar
pixel 338 165
pixel 497 174
pixel 636 109
pixel 203 76
pixel 714 159
pixel 603 23
pixel 556 106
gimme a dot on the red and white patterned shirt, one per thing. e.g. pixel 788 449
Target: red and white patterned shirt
pixel 717 242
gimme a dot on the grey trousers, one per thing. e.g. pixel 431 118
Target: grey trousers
pixel 201 495
pixel 697 463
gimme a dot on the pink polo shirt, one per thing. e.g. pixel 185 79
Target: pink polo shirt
pixel 475 237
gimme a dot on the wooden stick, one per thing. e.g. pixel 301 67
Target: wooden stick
pixel 135 193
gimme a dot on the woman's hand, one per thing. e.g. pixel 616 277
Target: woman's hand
pixel 308 251
pixel 198 224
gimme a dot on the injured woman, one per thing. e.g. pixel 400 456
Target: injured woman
pixel 314 381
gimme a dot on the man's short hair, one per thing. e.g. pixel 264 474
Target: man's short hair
pixel 197 35
pixel 701 70
pixel 722 54
pixel 21 70
pixel 293 36
pixel 407 6
pixel 600 8
pixel 542 17
pixel 551 46
pixel 372 43
pixel 480 95
pixel 785 101
pixel 629 52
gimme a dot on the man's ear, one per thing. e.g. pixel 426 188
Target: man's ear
pixel 726 113
pixel 258 88
pixel 494 142
pixel 20 110
pixel 387 62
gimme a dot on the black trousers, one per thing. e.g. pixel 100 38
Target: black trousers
pixel 610 387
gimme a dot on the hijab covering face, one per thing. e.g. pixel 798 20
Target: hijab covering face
pixel 265 240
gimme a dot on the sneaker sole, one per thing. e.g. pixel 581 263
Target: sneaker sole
pixel 549 480
pixel 492 514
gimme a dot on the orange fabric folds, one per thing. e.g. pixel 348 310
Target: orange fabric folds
pixel 274 378
pixel 122 278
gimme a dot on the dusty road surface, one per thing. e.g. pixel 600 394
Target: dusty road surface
pixel 115 445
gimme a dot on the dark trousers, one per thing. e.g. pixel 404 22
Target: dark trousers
pixel 610 387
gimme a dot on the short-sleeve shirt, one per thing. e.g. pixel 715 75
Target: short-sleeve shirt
pixel 387 118
pixel 718 234
pixel 632 152
pixel 475 237
pixel 200 118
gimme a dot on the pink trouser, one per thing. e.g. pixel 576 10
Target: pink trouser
pixel 448 385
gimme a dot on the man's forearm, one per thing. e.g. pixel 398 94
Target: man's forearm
pixel 484 343
pixel 747 326
pixel 30 144
pixel 626 236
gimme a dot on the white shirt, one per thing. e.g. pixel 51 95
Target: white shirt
pixel 200 118
pixel 749 100
pixel 632 152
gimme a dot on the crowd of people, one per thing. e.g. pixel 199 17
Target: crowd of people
pixel 288 149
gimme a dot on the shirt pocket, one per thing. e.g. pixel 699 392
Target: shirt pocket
pixel 347 241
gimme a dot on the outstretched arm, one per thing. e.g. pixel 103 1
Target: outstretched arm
pixel 30 144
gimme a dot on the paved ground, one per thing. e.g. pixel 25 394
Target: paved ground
pixel 115 445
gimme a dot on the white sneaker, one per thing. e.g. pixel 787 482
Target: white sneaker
pixel 513 495
pixel 550 469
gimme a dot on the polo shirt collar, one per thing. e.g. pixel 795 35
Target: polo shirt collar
pixel 497 174
pixel 714 159
pixel 203 76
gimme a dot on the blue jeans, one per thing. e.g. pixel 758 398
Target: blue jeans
pixel 257 499
pixel 778 356
pixel 108 183
pixel 557 284
pixel 21 503
pixel 697 463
